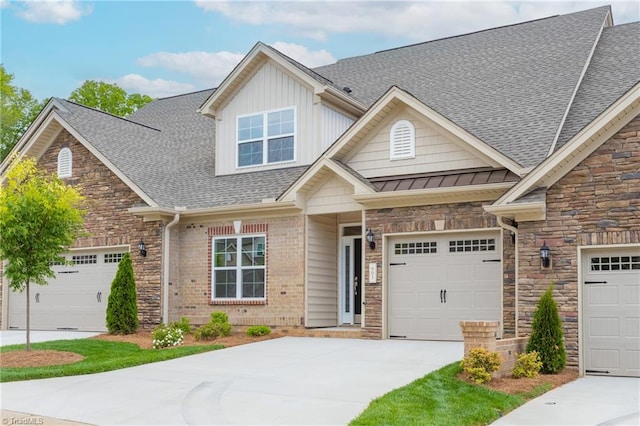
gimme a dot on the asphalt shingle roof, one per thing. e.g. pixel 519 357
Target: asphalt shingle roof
pixel 509 86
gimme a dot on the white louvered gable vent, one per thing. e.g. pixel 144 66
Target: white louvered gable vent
pixel 402 140
pixel 64 163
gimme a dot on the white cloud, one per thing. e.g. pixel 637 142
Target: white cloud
pixel 53 11
pixel 158 88
pixel 417 20
pixel 207 67
pixel 303 55
pixel 4 3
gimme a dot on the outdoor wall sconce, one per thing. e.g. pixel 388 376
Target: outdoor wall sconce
pixel 142 249
pixel 371 239
pixel 544 255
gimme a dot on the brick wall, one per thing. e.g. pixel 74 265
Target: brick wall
pixel 597 203
pixel 190 294
pixel 108 223
pixel 462 216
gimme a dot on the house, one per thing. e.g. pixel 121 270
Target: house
pixel 398 192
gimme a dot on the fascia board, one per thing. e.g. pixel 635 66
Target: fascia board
pixel 432 196
pixel 135 188
pixel 570 154
pixel 521 212
pixel 358 186
pixel 270 208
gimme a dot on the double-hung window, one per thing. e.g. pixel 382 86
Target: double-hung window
pixel 266 138
pixel 239 267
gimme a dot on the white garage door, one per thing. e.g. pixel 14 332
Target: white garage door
pixel 435 281
pixel 611 305
pixel 75 300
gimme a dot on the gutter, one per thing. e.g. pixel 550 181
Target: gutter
pixel 165 265
pixel 517 261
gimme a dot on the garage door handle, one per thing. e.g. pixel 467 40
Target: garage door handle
pixel 595 282
pixel 445 296
pixel 37 297
pixel 99 297
pixel 441 299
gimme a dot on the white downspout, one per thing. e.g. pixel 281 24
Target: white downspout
pixel 165 266
pixel 515 232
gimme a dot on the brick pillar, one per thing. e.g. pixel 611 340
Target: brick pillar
pixel 479 334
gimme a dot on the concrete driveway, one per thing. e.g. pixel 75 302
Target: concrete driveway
pixel 291 380
pixel 590 400
pixel 15 337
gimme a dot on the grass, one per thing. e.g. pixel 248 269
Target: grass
pixel 100 356
pixel 439 398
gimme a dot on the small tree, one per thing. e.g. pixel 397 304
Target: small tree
pixel 546 335
pixel 40 217
pixel 122 307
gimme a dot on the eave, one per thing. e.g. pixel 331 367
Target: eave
pixel 445 195
pixel 520 212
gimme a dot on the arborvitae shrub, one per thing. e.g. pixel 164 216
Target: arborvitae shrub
pixel 122 306
pixel 546 335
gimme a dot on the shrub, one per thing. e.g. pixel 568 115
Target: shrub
pixel 122 306
pixel 527 365
pixel 166 336
pixel 546 335
pixel 480 363
pixel 212 330
pixel 219 317
pixel 183 325
pixel 258 330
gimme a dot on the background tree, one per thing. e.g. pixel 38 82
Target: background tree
pixel 122 307
pixel 40 217
pixel 108 98
pixel 18 108
pixel 546 335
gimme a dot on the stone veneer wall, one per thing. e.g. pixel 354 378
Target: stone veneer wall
pixel 597 203
pixel 190 295
pixel 108 222
pixel 458 217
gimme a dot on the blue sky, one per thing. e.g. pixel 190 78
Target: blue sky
pixel 162 48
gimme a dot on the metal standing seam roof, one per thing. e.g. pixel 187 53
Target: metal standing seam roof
pixel 444 180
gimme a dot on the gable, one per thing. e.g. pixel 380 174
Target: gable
pixel 331 195
pixel 434 150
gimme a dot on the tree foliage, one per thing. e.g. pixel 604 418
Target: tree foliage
pixel 40 217
pixel 546 335
pixel 18 108
pixel 122 307
pixel 108 98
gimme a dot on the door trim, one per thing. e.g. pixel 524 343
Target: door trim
pixel 344 317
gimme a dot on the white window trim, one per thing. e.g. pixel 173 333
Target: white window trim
pixel 65 170
pixel 238 268
pixel 393 155
pixel 265 138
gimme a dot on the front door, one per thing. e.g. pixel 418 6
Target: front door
pixel 351 280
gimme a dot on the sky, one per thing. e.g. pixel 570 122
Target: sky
pixel 164 48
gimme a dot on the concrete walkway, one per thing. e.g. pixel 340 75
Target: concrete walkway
pixel 16 337
pixel 589 400
pixel 291 380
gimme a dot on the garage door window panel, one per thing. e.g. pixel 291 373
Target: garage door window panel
pixel 85 259
pixel 615 263
pixel 426 247
pixel 467 246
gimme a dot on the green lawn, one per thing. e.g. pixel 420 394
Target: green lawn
pixel 439 398
pixel 100 356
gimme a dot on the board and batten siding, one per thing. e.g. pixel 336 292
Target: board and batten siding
pixel 331 195
pixel 268 89
pixel 434 152
pixel 334 124
pixel 322 272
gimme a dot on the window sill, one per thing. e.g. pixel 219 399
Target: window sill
pixel 237 302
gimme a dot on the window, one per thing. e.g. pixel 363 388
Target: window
pixel 462 246
pixel 84 259
pixel 402 140
pixel 64 163
pixel 266 138
pixel 239 267
pixel 425 247
pixel 615 263
pixel 113 257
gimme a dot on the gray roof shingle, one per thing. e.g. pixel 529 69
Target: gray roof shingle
pixel 508 86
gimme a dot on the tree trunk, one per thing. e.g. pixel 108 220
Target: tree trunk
pixel 28 324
